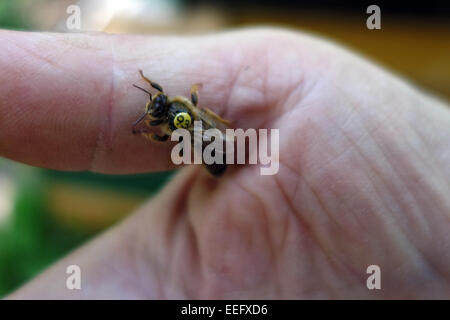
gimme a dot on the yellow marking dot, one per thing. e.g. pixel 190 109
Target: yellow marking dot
pixel 182 120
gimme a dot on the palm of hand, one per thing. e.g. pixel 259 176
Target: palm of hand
pixel 339 203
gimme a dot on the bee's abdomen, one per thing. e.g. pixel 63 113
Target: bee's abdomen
pixel 216 169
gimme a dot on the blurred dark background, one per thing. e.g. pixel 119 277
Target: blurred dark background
pixel 44 214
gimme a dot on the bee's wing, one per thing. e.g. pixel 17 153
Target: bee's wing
pixel 214 121
pixel 220 123
pixel 210 120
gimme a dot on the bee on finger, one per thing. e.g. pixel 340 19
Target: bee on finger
pixel 169 114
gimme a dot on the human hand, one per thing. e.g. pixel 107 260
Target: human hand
pixel 364 171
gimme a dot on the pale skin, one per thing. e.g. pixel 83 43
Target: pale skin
pixel 364 174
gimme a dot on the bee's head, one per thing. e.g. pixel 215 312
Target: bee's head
pixel 158 106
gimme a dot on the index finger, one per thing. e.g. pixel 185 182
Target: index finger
pixel 67 100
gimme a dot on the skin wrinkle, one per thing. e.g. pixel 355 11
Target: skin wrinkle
pixel 367 134
pixel 203 234
pixel 305 226
pixel 336 223
pixel 19 92
pixel 263 213
pixel 172 230
pixel 399 116
pixel 430 162
pixel 216 275
pixel 265 77
pixel 179 216
pixel 275 101
pixel 300 84
pixel 48 60
pixel 127 273
pixel 39 56
pixel 414 175
pixel 253 88
pixel 330 161
pixel 236 74
pixel 328 255
pixel 140 247
pixel 341 154
pixel 426 146
pixel 432 265
pixel 355 147
pixel 159 261
pixel 310 237
pixel 279 251
pixel 428 259
pixel 133 261
pixel 273 251
pixel 103 140
pixel 174 278
pixel 232 217
pixel 143 254
pixel 202 268
pixel 301 223
pixel 30 52
pixel 231 86
pixel 285 106
pixel 313 80
pixel 176 210
pixel 219 269
pixel 376 193
pixel 439 136
pixel 301 102
pixel 434 166
pixel 196 257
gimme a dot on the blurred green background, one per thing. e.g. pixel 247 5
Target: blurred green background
pixel 44 214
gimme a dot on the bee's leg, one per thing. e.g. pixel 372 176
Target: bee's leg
pixel 216 169
pixel 156 122
pixel 150 82
pixel 149 123
pixel 163 138
pixel 194 93
pixel 142 89
pixel 155 137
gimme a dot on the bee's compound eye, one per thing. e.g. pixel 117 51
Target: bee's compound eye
pixel 182 120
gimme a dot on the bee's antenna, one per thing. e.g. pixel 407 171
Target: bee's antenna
pixel 137 122
pixel 143 90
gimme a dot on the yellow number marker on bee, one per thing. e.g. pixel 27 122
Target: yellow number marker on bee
pixel 182 120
